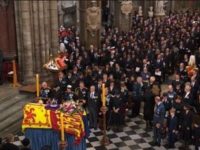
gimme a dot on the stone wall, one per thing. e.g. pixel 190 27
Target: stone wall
pixel 7 28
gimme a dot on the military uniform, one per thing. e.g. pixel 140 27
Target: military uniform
pixel 158 119
pixel 171 96
pixel 69 96
pixel 45 94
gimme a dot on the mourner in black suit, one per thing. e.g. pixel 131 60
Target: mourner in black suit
pixel 69 94
pixel 148 106
pixel 172 128
pixel 81 93
pixel 188 97
pixel 60 86
pixel 93 105
pixel 187 125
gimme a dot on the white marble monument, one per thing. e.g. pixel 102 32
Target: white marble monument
pixel 159 8
pixel 140 11
pixel 150 12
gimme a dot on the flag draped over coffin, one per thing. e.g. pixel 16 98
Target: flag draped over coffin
pixel 36 116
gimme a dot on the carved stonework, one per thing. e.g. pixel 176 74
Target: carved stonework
pixel 160 7
pixel 126 7
pixel 150 12
pixel 140 11
pixel 67 12
pixel 93 18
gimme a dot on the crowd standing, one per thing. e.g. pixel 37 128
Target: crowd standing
pixel 134 65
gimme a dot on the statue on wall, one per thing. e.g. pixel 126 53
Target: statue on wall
pixel 126 7
pixel 159 8
pixel 150 12
pixel 93 18
pixel 67 12
pixel 140 11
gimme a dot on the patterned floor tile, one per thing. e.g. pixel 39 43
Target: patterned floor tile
pixel 132 137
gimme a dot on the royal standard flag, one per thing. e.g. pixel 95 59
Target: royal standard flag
pixel 36 116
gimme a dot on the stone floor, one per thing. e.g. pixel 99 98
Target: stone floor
pixel 133 137
pixel 12 103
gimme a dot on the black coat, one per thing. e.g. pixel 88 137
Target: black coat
pixel 195 89
pixel 172 123
pixel 138 91
pixel 9 146
pixel 148 104
pixel 187 120
pixel 67 96
pixel 93 102
pixel 188 99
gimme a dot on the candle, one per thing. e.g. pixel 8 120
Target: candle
pixel 103 95
pixel 37 85
pixel 62 127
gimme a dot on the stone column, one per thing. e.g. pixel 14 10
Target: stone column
pixel 37 26
pixel 123 15
pixel 88 35
pixel 42 32
pixel 172 6
pixel 54 27
pixel 19 39
pixel 27 55
pixel 47 30
pixel 36 36
pixel 60 13
pixel 77 16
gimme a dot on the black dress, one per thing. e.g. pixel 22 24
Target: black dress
pixel 116 117
pixel 148 104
